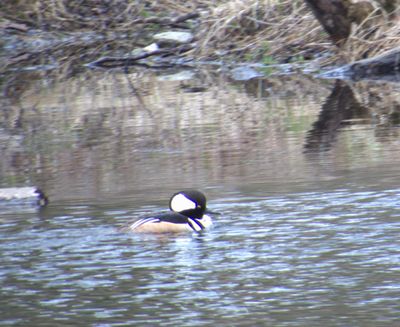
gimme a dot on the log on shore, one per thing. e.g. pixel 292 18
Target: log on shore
pixel 385 64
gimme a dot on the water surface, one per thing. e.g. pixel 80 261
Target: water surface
pixel 304 171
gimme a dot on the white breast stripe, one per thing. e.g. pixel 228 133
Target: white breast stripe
pixel 196 226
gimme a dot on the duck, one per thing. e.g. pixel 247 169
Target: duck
pixel 188 213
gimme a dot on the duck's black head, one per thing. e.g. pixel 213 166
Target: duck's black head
pixel 191 203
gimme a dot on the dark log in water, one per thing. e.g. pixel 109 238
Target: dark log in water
pixel 383 67
pixel 387 63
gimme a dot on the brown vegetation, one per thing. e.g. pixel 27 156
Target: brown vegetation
pixel 262 31
pixel 267 31
pixel 95 15
pixel 284 30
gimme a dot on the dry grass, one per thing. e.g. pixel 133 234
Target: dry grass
pixel 265 31
pixel 373 37
pixel 284 30
pixel 261 30
pixel 79 31
pixel 98 15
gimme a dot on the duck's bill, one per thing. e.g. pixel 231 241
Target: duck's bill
pixel 212 212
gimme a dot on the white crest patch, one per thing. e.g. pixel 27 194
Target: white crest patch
pixel 181 203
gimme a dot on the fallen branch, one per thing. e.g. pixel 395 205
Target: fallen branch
pixel 388 63
pixel 384 67
pixel 19 27
pixel 112 62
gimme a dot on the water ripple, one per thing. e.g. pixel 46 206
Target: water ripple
pixel 284 260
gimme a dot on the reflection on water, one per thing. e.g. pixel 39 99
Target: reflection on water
pixel 304 171
pixel 102 135
pixel 339 108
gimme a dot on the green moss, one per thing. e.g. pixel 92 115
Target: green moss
pixel 268 60
pixel 144 14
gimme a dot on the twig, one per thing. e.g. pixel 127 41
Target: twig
pixel 112 62
pixel 166 20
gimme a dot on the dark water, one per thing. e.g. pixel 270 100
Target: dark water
pixel 305 173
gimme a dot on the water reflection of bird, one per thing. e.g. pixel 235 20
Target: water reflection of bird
pixel 188 213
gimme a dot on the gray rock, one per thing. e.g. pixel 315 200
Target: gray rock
pixel 173 38
pixel 244 73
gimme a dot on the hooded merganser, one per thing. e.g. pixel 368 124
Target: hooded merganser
pixel 188 210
